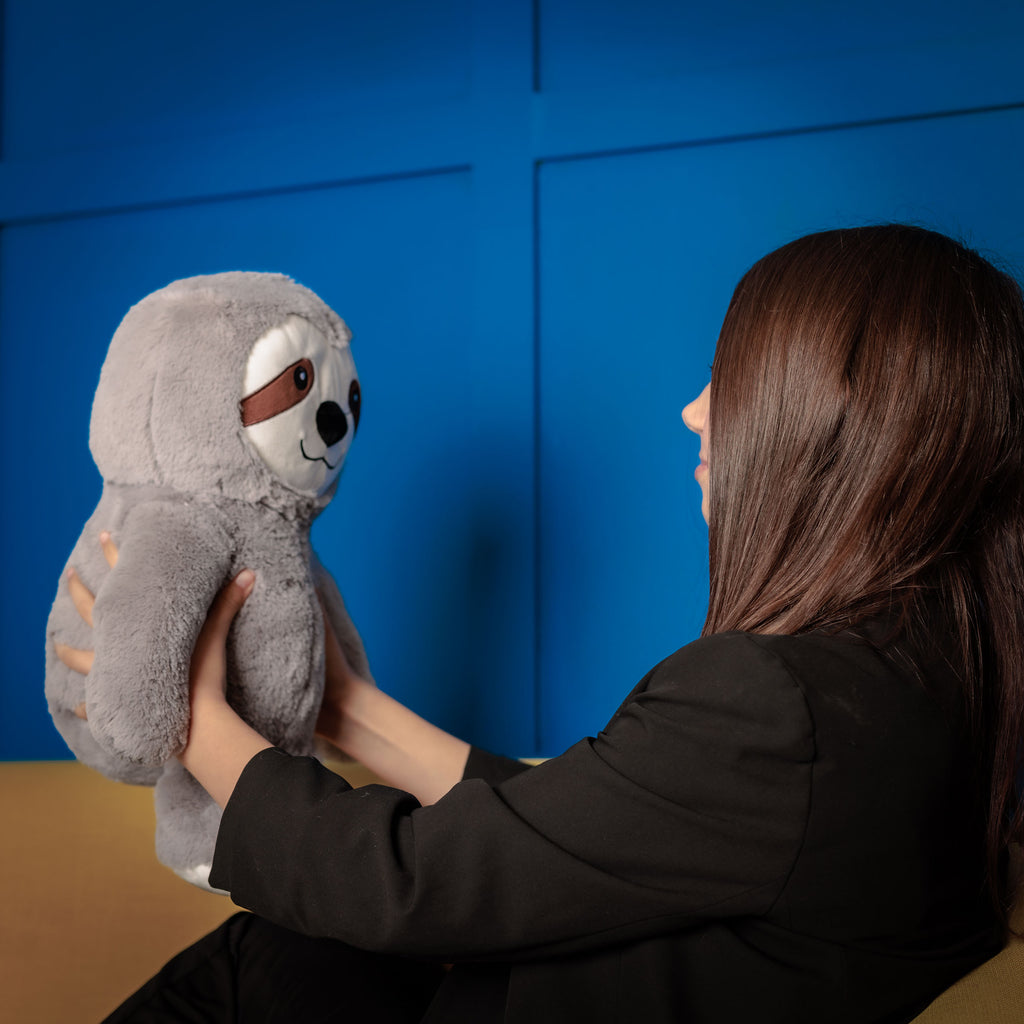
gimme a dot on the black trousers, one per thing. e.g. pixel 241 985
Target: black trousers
pixel 249 971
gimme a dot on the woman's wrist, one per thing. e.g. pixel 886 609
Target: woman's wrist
pixel 220 745
pixel 337 705
pixel 390 739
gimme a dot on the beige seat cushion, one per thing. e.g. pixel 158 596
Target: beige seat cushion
pixel 88 913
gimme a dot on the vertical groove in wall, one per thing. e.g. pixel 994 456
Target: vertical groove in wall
pixel 538 595
pixel 536 46
pixel 3 78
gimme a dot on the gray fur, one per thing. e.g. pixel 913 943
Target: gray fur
pixel 189 502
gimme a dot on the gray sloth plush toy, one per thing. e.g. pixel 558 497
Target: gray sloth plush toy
pixel 225 408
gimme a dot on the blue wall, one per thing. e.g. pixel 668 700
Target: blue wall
pixel 532 215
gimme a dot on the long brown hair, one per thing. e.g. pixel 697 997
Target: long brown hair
pixel 867 443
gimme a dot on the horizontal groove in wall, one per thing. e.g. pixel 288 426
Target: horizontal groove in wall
pixel 742 101
pixel 754 136
pixel 221 197
pixel 415 140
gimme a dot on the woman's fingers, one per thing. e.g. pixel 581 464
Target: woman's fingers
pixel 227 604
pixel 75 659
pixel 208 675
pixel 81 596
pixel 109 549
pixel 79 661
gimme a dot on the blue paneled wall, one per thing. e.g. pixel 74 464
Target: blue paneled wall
pixel 532 216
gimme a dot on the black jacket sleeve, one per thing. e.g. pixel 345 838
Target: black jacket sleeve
pixel 492 768
pixel 690 805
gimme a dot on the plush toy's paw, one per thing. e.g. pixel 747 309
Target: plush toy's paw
pixel 141 732
pixel 186 826
pixel 199 875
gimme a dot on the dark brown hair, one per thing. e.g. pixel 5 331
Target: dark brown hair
pixel 867 437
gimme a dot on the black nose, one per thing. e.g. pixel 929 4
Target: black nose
pixel 331 423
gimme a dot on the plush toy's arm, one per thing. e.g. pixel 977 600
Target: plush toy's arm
pixel 334 608
pixel 173 559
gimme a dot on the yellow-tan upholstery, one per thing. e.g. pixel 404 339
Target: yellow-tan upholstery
pixel 88 914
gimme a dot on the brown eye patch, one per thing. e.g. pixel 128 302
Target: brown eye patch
pixel 288 388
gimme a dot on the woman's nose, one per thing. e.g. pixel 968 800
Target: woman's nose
pixel 695 415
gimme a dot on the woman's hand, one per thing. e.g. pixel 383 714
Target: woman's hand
pixel 208 669
pixel 220 744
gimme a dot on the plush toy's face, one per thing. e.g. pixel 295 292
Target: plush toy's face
pixel 300 405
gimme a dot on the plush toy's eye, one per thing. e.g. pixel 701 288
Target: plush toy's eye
pixel 288 388
pixel 355 402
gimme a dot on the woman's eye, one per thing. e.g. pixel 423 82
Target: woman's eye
pixel 301 378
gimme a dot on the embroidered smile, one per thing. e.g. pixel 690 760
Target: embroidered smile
pixel 319 458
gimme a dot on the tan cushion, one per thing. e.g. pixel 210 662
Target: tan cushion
pixel 88 913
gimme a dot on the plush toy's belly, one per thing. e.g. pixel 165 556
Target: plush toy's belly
pixel 275 651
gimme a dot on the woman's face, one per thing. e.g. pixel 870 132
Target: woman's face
pixel 695 416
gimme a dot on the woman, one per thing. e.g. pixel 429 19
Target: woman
pixel 794 818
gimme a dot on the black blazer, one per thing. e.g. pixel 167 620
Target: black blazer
pixel 770 828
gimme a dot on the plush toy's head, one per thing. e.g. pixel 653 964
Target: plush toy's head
pixel 239 385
